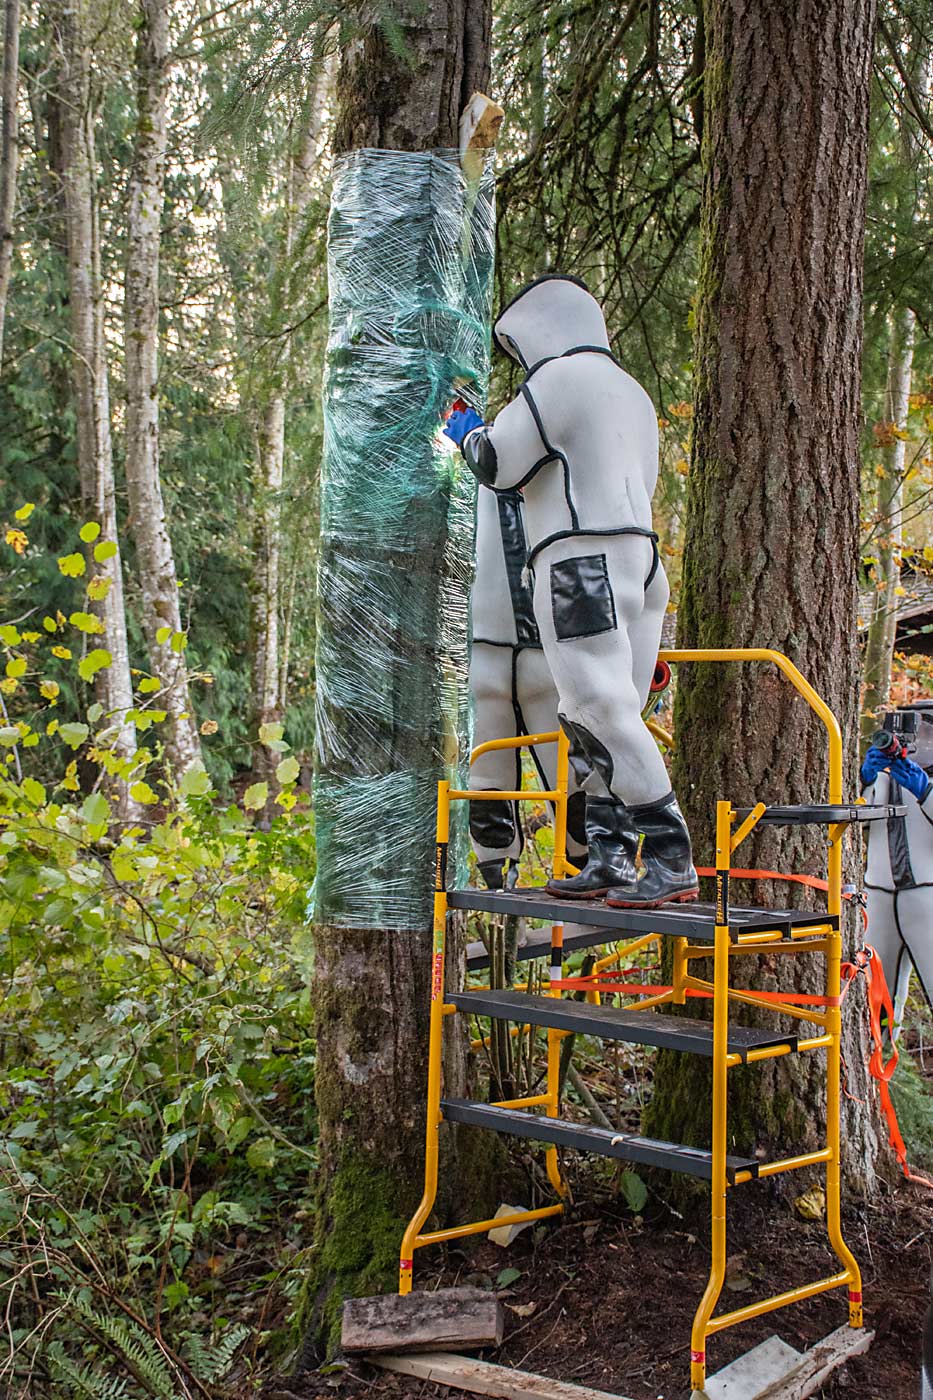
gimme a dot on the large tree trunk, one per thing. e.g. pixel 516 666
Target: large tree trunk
pixel 9 149
pixel 155 560
pixel 371 986
pixel 771 544
pixel 879 644
pixel 113 685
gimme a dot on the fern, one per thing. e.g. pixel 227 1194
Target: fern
pixel 84 1382
pixel 142 1354
pixel 213 1363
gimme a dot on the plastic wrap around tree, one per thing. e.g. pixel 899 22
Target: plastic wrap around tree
pixel 410 257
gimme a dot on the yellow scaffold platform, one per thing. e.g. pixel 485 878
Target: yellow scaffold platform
pixel 720 930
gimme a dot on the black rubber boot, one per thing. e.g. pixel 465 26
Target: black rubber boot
pixel 499 874
pixel 669 876
pixel 612 844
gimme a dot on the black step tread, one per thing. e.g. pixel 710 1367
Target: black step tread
pixel 629 1147
pixel 538 945
pixel 612 1023
pixel 696 921
pixel 818 814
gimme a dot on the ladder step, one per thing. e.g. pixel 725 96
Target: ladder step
pixel 694 921
pixel 819 814
pixel 610 1023
pixel 628 1147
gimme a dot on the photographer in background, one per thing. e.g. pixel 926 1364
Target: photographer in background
pixel 899 878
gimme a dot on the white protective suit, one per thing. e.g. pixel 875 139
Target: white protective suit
pixel 899 878
pixel 511 685
pixel 581 441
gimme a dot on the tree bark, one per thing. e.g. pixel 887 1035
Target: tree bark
pixel 113 685
pixel 154 555
pixel 9 151
pixel 771 542
pixel 271 625
pixel 371 987
pixel 882 627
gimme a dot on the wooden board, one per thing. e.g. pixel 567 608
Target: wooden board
pixel 483 1378
pixel 467 1318
pixel 775 1371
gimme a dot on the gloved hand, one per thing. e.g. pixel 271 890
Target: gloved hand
pixel 461 422
pixel 910 776
pixel 873 763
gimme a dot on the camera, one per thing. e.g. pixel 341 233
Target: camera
pixel 897 736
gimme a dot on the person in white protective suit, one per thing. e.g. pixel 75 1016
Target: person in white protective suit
pixel 899 874
pixel 580 440
pixel 512 690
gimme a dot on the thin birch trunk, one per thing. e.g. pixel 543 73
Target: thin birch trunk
pixel 9 150
pixel 879 646
pixel 155 559
pixel 270 629
pixel 113 685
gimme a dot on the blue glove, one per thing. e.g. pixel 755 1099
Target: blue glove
pixel 461 422
pixel 910 776
pixel 873 763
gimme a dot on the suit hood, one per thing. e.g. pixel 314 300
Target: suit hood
pixel 550 316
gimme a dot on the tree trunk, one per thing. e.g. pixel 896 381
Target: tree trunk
pixel 371 988
pixel 270 624
pixel 9 150
pixel 879 645
pixel 771 543
pixel 113 685
pixel 155 560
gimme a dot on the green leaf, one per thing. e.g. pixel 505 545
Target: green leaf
pixel 9 735
pixel 634 1190
pixel 96 660
pixel 9 636
pixel 86 622
pixel 288 770
pixel 142 792
pixel 74 735
pixel 25 511
pixel 260 1155
pixel 195 781
pixel 104 551
pixel 72 565
pixel 33 791
pixel 150 685
pixel 89 532
pixel 270 734
pixel 508 1276
pixel 16 667
pixel 94 712
pixel 95 809
pixel 256 796
pixel 162 635
pixel 179 641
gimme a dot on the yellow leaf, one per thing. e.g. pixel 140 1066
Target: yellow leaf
pixel 98 588
pixel 9 686
pixel 72 565
pixel 86 622
pixel 49 689
pixel 89 532
pixel 25 511
pixel 210 726
pixel 812 1204
pixel 17 540
pixel 16 666
pixel 70 780
pixel 63 653
pixel 900 592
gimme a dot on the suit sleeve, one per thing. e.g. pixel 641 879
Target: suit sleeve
pixel 506 452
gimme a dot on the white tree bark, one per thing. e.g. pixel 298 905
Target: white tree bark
pixel 9 151
pixel 155 558
pixel 113 685
pixel 271 630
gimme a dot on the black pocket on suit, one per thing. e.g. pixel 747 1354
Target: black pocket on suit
pixel 581 597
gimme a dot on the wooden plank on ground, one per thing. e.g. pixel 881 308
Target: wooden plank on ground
pixel 467 1318
pixel 821 1360
pixel 483 1378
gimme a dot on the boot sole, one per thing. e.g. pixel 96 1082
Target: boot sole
pixel 685 897
pixel 577 894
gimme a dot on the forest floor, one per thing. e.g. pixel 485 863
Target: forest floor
pixel 605 1299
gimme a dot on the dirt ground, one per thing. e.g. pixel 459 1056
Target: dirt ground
pixel 605 1299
